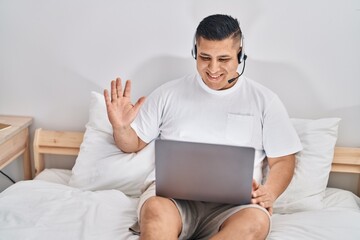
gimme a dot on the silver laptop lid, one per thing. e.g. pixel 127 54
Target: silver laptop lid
pixel 204 172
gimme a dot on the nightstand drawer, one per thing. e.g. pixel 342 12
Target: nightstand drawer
pixel 13 147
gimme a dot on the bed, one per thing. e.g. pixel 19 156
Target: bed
pixel 97 199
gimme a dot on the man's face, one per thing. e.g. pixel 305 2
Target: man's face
pixel 217 62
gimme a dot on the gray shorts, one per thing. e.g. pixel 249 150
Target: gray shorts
pixel 200 220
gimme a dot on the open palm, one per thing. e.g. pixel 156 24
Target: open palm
pixel 121 112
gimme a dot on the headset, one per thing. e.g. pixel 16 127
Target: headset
pixel 241 55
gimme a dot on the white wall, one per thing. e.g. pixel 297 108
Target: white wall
pixel 53 53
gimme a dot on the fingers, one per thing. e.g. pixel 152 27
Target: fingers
pixel 262 196
pixel 107 98
pixel 118 87
pixel 127 90
pixel 114 94
pixel 270 210
pixel 117 94
pixel 108 102
pixel 263 203
pixel 139 103
pixel 255 185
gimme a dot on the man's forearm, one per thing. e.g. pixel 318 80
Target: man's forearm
pixel 280 175
pixel 127 140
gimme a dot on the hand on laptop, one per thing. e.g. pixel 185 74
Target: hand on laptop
pixel 262 196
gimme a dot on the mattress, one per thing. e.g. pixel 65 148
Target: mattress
pixel 46 208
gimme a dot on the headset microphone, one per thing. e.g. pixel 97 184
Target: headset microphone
pixel 233 79
pixel 242 71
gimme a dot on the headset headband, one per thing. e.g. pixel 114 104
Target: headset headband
pixel 241 55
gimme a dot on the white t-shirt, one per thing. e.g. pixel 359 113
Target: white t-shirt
pixel 247 114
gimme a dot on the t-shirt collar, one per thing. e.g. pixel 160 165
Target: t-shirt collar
pixel 219 92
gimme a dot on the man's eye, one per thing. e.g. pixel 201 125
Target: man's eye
pixel 205 58
pixel 224 59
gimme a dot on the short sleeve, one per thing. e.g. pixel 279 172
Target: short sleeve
pixel 147 122
pixel 279 135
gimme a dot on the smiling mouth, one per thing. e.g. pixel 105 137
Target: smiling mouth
pixel 213 77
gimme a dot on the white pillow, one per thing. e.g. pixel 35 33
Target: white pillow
pixel 100 165
pixel 313 164
pixel 98 118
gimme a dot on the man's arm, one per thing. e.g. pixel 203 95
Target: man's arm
pixel 127 140
pixel 121 113
pixel 279 177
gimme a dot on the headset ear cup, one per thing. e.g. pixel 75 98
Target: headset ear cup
pixel 241 54
pixel 194 52
pixel 194 49
pixel 239 57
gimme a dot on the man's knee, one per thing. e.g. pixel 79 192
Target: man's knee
pixel 261 225
pixel 251 222
pixel 152 208
pixel 158 209
pixel 159 219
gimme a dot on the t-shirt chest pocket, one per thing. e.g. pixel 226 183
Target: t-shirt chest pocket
pixel 239 128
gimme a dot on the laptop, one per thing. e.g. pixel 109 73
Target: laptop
pixel 204 172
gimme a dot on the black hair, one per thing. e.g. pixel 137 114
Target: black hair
pixel 218 27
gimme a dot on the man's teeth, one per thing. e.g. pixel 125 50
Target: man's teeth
pixel 214 76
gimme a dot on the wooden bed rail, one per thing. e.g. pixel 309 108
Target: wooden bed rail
pixel 346 160
pixel 54 142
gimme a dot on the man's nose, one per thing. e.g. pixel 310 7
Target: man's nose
pixel 213 66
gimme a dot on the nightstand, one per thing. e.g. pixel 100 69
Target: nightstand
pixel 14 142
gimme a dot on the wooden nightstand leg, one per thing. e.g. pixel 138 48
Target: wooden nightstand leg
pixel 27 160
pixel 39 163
pixel 358 186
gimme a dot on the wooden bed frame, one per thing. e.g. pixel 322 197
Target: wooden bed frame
pixel 346 160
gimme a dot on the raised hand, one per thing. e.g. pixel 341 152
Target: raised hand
pixel 121 112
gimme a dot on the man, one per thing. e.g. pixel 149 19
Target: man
pixel 217 105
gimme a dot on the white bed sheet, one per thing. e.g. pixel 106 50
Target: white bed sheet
pixel 45 210
pixel 340 219
pixel 49 209
pixel 55 175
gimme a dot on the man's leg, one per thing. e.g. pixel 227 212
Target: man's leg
pixel 160 219
pixel 249 223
